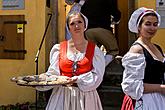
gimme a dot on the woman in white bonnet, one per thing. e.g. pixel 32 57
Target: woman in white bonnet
pixel 144 65
pixel 78 62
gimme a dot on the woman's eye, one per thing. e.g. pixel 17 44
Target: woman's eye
pixel 147 24
pixel 72 23
pixel 155 24
pixel 79 21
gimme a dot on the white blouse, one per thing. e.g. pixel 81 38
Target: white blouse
pixel 133 75
pixel 85 95
pixel 134 66
pixel 87 81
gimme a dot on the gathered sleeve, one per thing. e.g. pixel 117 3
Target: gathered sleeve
pixel 53 67
pixel 134 67
pixel 54 61
pixel 92 79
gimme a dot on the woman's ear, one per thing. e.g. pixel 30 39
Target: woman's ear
pixel 139 28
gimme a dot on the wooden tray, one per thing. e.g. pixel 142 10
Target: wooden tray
pixel 22 81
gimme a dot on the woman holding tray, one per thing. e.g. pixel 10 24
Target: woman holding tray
pixel 78 62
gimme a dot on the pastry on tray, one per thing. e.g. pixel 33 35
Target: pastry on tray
pixel 15 79
pixel 34 80
pixel 33 83
pixel 43 83
pixel 31 78
pixel 21 82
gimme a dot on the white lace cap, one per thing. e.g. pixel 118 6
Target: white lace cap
pixel 136 17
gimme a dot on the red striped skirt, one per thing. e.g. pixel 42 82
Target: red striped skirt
pixel 128 103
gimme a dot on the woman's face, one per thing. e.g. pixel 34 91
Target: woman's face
pixel 76 25
pixel 149 26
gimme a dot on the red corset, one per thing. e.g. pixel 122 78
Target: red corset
pixel 70 68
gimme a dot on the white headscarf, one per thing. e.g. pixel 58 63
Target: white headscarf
pixel 68 34
pixel 137 16
pixel 69 2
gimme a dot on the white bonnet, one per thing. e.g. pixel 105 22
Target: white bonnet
pixel 68 35
pixel 69 2
pixel 136 17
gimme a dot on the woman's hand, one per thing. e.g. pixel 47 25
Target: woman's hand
pixel 63 79
pixel 72 80
pixel 149 88
pixel 67 80
pixel 162 87
pixel 42 77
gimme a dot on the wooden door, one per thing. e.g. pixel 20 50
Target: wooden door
pixel 124 37
pixel 12 32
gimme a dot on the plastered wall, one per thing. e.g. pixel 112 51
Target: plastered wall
pixel 159 38
pixel 10 93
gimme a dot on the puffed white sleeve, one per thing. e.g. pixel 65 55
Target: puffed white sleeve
pixel 91 80
pixel 54 61
pixel 53 67
pixel 134 66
